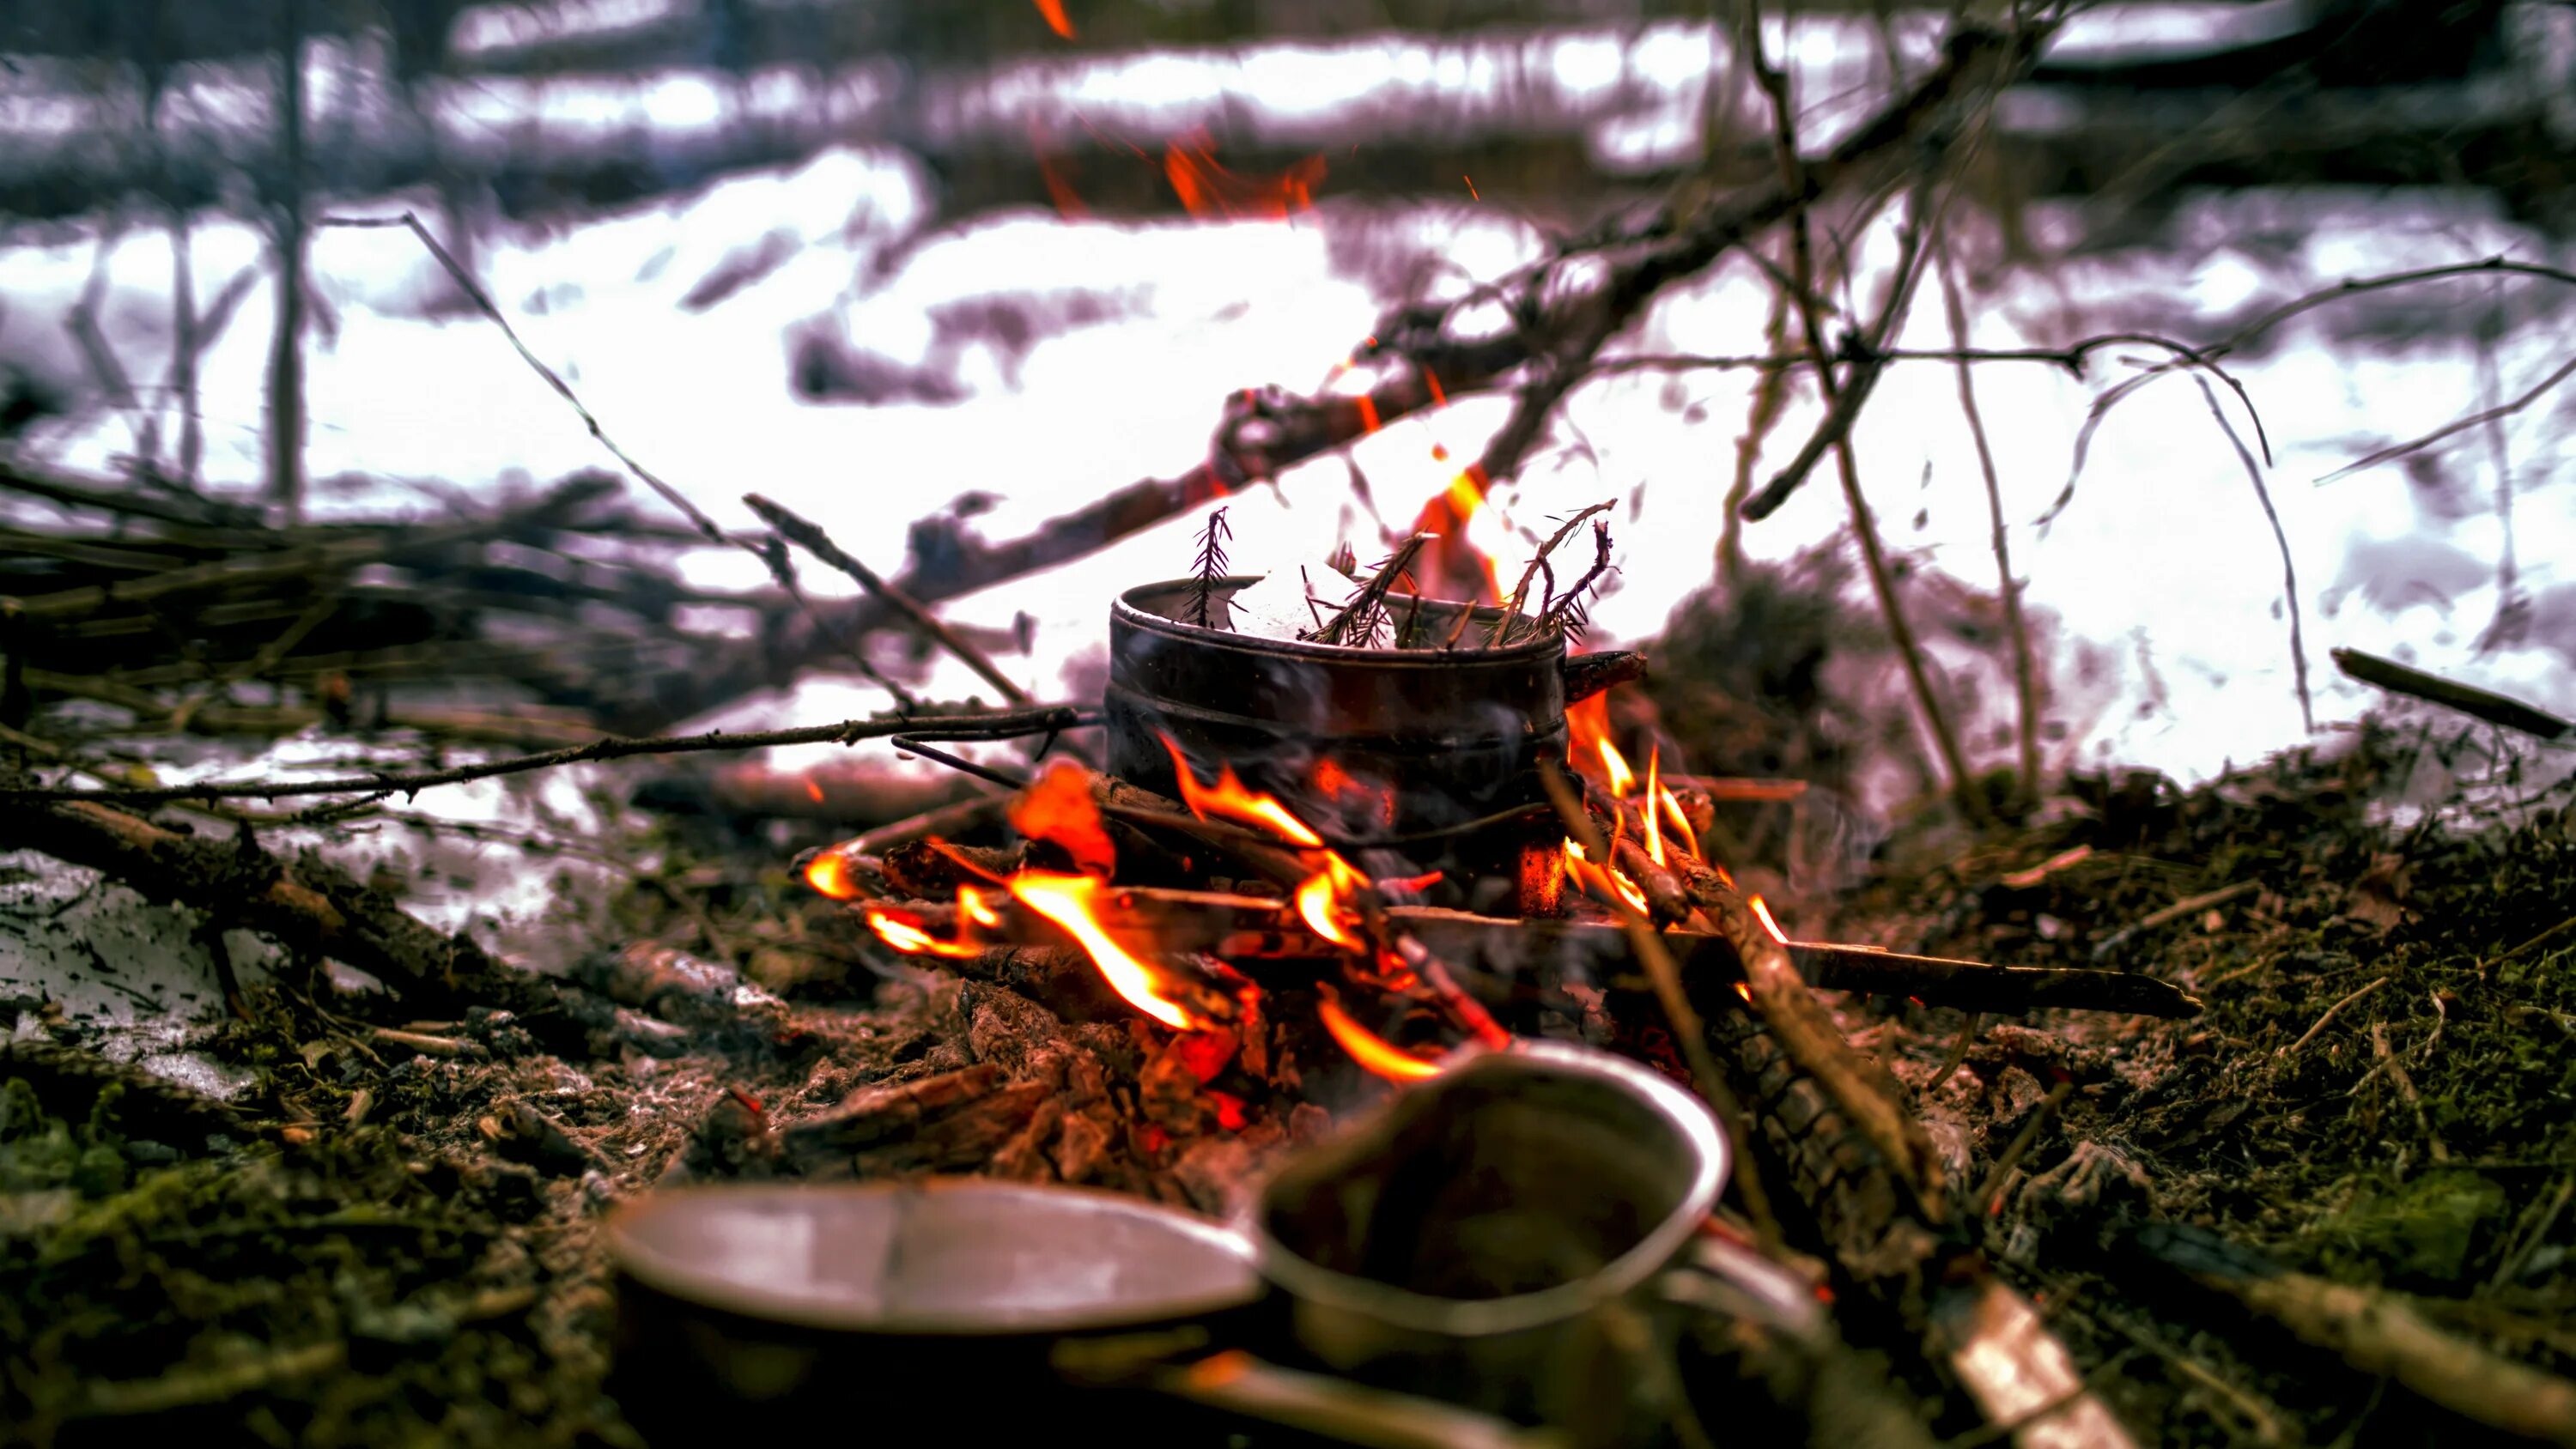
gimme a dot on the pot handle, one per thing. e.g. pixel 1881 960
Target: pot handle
pixel 1588 674
pixel 1235 1382
pixel 1716 1274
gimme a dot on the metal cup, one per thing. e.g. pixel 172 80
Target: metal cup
pixel 1495 1238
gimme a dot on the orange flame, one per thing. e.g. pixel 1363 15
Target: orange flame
pixel 1670 806
pixel 1072 901
pixel 1587 728
pixel 1609 883
pixel 1208 190
pixel 907 936
pixel 1052 11
pixel 1058 807
pixel 829 874
pixel 1762 913
pixel 1370 1050
pixel 1228 799
pixel 1325 899
pixel 1471 536
pixel 1653 808
pixel 977 911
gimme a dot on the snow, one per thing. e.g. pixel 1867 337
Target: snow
pixel 2163 562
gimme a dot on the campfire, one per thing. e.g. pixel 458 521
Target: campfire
pixel 1315 883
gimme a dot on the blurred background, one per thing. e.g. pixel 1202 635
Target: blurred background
pixel 939 273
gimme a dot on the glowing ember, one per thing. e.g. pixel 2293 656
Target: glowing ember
pixel 1058 807
pixel 978 911
pixel 1208 190
pixel 1072 902
pixel 829 875
pixel 1370 1050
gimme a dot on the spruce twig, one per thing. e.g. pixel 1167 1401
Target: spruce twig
pixel 1570 613
pixel 1360 618
pixel 1512 605
pixel 1209 568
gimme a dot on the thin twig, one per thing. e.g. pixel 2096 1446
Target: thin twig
pixel 483 302
pixel 1207 567
pixel 2454 429
pixel 1357 621
pixel 808 535
pixel 2289 570
pixel 2016 629
pixel 1009 725
pixel 2040 1117
pixel 2310 1034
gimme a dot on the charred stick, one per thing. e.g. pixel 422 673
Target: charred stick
pixel 1666 900
pixel 1872 1098
pixel 2494 708
pixel 1589 674
pixel 1251 928
pixel 1666 975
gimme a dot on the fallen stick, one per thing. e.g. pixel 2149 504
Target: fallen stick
pixel 2375 1332
pixel 847 732
pixel 307 905
pixel 2494 708
pixel 2165 916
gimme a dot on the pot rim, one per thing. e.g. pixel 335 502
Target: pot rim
pixel 673 1275
pixel 1308 1282
pixel 1125 610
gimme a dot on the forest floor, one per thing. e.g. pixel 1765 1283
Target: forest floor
pixel 396 1238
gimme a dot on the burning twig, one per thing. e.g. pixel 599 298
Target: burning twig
pixel 1860 1085
pixel 1208 567
pixel 1259 928
pixel 1666 976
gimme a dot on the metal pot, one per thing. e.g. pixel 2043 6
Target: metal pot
pixel 1497 1237
pixel 1445 736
